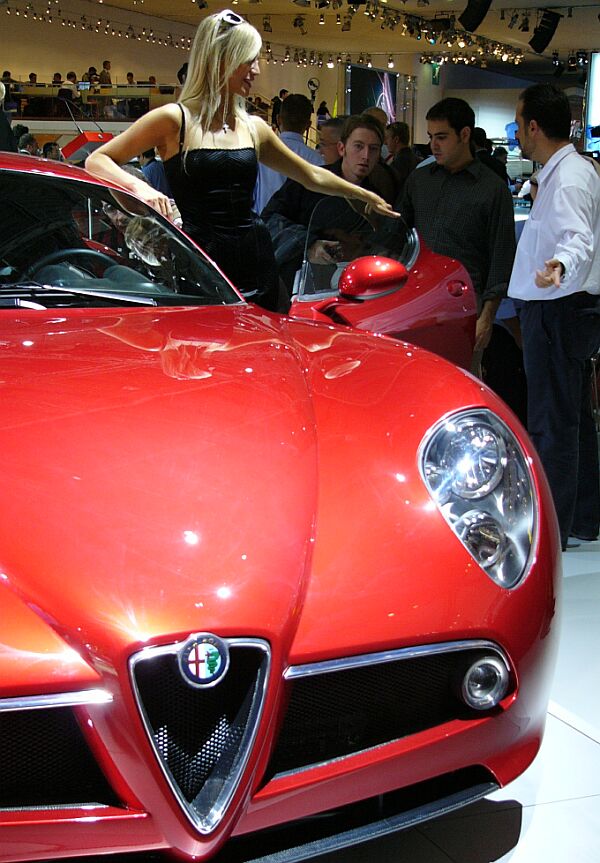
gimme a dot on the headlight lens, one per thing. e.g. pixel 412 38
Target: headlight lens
pixel 477 473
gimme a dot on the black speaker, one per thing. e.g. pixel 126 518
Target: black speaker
pixel 545 30
pixel 474 14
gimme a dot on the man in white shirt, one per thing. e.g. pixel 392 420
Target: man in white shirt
pixel 294 119
pixel 556 275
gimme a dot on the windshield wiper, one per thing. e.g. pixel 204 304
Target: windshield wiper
pixel 36 288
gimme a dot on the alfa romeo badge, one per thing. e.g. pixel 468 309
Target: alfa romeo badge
pixel 203 660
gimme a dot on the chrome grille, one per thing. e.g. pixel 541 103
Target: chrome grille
pixel 202 737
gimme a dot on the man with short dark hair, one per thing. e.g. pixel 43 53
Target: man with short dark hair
pixel 28 145
pixel 51 150
pixel 276 103
pixel 402 158
pixel 330 133
pixel 556 277
pixel 105 79
pixel 289 212
pixel 480 142
pixel 294 120
pixel 462 209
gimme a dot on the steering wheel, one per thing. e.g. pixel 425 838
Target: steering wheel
pixel 60 255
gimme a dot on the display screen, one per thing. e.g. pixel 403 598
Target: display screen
pixel 368 87
pixel 592 118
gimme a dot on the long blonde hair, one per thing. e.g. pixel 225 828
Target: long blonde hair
pixel 219 48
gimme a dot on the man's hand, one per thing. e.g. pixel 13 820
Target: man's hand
pixel 325 252
pixel 551 275
pixel 483 332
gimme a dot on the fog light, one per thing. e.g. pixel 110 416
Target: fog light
pixel 485 683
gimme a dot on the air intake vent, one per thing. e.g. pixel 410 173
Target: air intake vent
pixel 202 736
pixel 45 761
pixel 376 700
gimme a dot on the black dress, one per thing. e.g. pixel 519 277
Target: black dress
pixel 213 190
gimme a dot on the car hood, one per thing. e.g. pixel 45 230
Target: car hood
pixel 173 471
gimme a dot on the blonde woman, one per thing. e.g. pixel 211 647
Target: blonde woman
pixel 210 147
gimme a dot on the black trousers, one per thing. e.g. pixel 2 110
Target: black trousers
pixel 559 338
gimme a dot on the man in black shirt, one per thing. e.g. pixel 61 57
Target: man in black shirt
pixel 462 209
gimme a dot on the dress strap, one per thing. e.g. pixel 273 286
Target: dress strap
pixel 181 128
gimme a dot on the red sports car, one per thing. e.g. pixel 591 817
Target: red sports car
pixel 253 570
pixel 384 280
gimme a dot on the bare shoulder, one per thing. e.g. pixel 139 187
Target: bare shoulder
pixel 261 131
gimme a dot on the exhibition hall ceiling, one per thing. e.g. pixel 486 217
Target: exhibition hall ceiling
pixel 336 26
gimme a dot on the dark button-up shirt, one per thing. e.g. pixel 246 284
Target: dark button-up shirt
pixel 466 215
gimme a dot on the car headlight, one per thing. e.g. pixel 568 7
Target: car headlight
pixel 477 473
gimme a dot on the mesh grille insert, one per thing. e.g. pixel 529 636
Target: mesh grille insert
pixel 342 712
pixel 201 736
pixel 45 761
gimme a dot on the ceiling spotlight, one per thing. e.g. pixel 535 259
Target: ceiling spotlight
pixel 302 2
pixel 299 24
pixel 330 63
pixel 202 4
pixel 336 4
pixel 322 4
pixel 347 24
pixel 338 19
pixel 524 25
pixel 502 16
pixel 321 19
pixel 267 24
pixel 390 62
pixel 572 63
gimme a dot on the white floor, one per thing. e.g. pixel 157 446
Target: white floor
pixel 551 814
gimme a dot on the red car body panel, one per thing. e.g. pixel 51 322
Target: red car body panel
pixel 434 308
pixel 222 469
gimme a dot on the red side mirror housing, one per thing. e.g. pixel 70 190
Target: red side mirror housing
pixel 370 277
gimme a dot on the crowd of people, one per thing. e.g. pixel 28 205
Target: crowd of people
pixel 247 189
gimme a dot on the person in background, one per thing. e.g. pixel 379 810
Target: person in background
pixel 402 159
pixel 51 150
pixel 322 114
pixel 330 134
pixel 7 138
pixel 289 214
pixel 276 103
pixel 463 210
pixel 105 79
pixel 130 79
pixel 71 84
pixel 382 177
pixel 556 278
pixel 28 145
pixel 152 80
pixel 57 79
pixel 33 78
pixel 294 120
pixel 91 73
pixel 182 73
pixel 481 149
pixel 154 172
pixel 210 148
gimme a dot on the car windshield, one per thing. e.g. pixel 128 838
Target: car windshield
pixel 338 233
pixel 69 243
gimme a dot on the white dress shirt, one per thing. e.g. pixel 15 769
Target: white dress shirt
pixel 269 181
pixel 564 224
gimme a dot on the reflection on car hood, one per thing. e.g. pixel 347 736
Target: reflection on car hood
pixel 161 467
